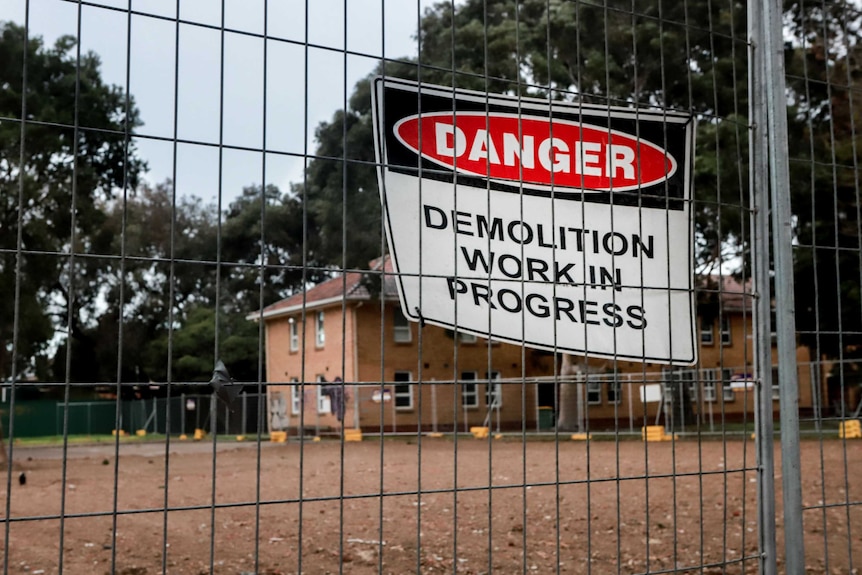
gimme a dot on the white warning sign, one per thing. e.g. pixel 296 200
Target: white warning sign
pixel 558 226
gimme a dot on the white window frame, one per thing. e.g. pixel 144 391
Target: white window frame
pixel 402 331
pixel 684 376
pixel 615 385
pixel 319 329
pixel 594 389
pixel 494 390
pixel 712 379
pixel 403 384
pixel 726 331
pixel 324 404
pixel 294 334
pixel 694 388
pixel 466 337
pixel 707 336
pixel 469 390
pixel 295 396
pixel 709 393
pixel 727 393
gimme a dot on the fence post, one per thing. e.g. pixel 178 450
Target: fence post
pixel 759 186
pixel 433 406
pixel 243 430
pixel 356 423
pixel 631 407
pixel 779 187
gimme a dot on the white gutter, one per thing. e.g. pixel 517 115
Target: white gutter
pixel 254 316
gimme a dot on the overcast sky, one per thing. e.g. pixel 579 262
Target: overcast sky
pixel 374 28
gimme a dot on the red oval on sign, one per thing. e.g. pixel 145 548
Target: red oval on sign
pixel 536 151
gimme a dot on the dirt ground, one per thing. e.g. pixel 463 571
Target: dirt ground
pixel 625 507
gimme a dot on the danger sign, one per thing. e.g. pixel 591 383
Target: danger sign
pixel 553 225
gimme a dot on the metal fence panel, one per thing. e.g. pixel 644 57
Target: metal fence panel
pixel 206 363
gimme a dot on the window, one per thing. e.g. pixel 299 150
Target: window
pixel 294 335
pixel 709 389
pixel 402 332
pixel 295 396
pixel 727 391
pixel 466 337
pixel 674 379
pixel 403 391
pixel 319 333
pixel 614 390
pixel 469 394
pixel 324 405
pixel 493 390
pixel 713 378
pixel 707 331
pixel 594 391
pixel 725 330
pixel 693 389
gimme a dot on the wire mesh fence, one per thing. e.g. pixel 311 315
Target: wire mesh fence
pixel 477 286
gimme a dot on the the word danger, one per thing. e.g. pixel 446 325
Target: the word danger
pixel 535 151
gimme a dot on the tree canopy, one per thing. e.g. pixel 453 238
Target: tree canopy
pixel 686 56
pixel 72 151
pixel 190 274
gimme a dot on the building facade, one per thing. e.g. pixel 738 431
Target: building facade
pixel 342 354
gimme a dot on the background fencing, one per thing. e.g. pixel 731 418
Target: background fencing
pixel 185 182
pixel 44 418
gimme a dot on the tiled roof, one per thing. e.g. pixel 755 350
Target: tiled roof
pixel 735 295
pixel 350 286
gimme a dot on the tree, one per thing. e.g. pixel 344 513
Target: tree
pixel 42 176
pixel 687 56
pixel 171 283
pixel 279 249
pixel 166 242
pixel 193 349
pixel 826 194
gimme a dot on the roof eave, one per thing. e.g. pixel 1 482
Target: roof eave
pixel 290 310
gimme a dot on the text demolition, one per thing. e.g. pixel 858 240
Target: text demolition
pixel 524 233
pixel 530 269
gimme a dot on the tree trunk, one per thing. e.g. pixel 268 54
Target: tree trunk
pixel 570 403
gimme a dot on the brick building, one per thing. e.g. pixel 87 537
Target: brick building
pixel 351 328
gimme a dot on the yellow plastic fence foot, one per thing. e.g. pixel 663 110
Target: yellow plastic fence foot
pixel 655 433
pixel 352 435
pixel 479 432
pixel 850 429
pixel 278 436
